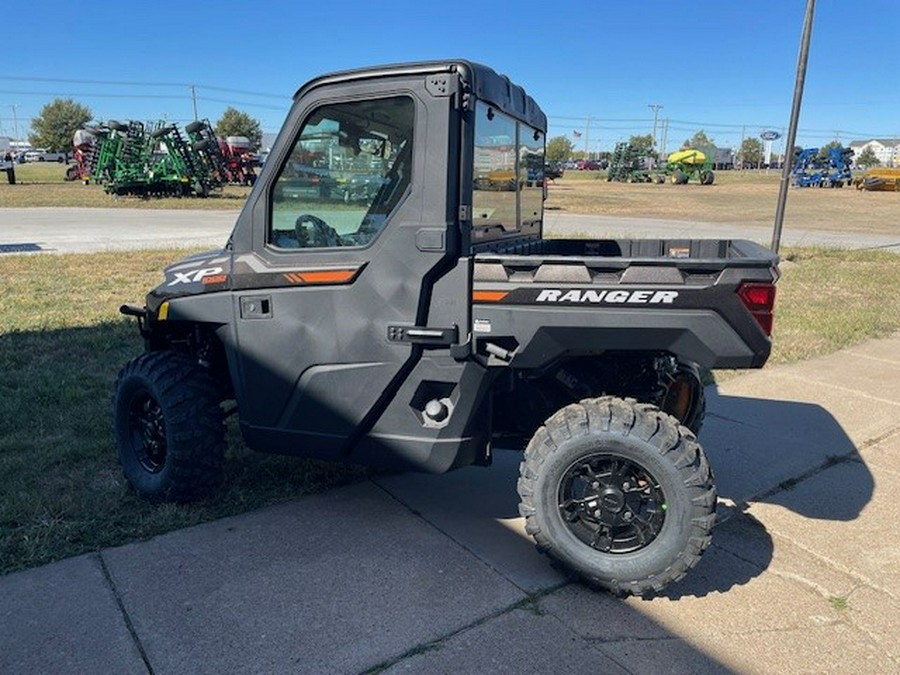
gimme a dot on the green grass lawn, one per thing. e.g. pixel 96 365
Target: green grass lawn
pixel 44 184
pixel 62 342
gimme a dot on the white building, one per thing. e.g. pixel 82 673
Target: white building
pixel 887 150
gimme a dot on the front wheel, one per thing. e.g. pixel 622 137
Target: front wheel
pixel 169 427
pixel 619 493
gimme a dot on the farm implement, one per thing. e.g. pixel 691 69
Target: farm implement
pixel 630 164
pixel 634 165
pixel 158 159
pixel 879 180
pixel 686 164
pixel 812 168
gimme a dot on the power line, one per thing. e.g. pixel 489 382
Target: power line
pixel 125 83
pixel 244 103
pixel 86 95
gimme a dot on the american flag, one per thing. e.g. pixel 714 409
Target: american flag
pixel 576 134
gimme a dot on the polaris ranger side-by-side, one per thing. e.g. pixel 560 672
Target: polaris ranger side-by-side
pixel 426 319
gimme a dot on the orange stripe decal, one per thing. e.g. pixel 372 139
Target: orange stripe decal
pixel 327 276
pixel 215 279
pixel 489 296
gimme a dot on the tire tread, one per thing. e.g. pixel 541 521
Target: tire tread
pixel 608 414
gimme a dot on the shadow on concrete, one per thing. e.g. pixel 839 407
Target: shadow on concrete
pixel 26 247
pixel 758 449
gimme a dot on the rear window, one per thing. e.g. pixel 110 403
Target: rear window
pixel 507 176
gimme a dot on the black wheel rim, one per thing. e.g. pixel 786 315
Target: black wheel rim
pixel 148 431
pixel 611 503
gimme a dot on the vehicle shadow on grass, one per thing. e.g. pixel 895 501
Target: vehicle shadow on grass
pixel 758 450
pixel 62 491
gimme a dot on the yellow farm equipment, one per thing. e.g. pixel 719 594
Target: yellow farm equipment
pixel 879 180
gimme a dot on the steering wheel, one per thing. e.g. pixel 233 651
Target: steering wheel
pixel 313 232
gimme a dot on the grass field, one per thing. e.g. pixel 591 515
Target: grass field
pixel 44 184
pixel 62 343
pixel 736 197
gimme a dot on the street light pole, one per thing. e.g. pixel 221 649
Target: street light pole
pixel 792 127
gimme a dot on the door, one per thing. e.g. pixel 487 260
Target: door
pixel 355 231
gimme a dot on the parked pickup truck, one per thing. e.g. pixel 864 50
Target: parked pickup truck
pixel 429 320
pixel 41 155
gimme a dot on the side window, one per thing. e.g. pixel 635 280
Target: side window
pixel 495 178
pixel 346 173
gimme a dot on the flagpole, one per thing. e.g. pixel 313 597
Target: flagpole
pixel 587 135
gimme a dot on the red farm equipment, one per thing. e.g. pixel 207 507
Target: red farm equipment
pixel 85 149
pixel 240 159
pixel 231 159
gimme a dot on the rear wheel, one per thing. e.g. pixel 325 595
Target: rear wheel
pixel 169 427
pixel 619 493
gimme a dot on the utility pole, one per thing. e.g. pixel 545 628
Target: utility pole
pixel 741 149
pixel 194 99
pixel 655 107
pixel 802 58
pixel 665 136
pixel 14 106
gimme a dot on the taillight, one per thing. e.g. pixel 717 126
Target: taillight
pixel 759 299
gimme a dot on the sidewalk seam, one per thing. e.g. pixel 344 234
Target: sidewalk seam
pixel 128 624
pixel 437 642
pixel 868 357
pixel 846 390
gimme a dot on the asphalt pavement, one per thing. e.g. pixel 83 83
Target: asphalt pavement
pixel 34 230
pixel 434 574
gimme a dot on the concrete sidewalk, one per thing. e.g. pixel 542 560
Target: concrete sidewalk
pixel 420 573
pixel 82 230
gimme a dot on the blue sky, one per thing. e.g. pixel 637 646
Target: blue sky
pixel 720 66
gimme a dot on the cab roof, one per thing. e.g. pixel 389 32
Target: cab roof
pixel 484 82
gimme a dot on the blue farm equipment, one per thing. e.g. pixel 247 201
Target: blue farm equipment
pixel 813 169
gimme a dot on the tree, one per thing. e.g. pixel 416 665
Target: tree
pixel 237 123
pixel 57 123
pixel 642 143
pixel 823 151
pixel 559 148
pixel 867 158
pixel 699 141
pixel 751 152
